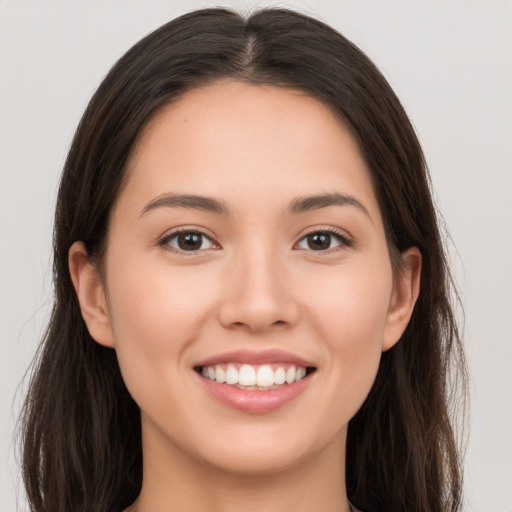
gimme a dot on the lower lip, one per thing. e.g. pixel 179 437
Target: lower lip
pixel 252 401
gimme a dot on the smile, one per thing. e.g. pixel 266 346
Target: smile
pixel 255 382
pixel 254 377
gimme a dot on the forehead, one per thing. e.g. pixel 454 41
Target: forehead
pixel 256 142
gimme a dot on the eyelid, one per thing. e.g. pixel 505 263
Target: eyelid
pixel 345 240
pixel 163 240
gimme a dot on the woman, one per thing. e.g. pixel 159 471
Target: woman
pixel 252 300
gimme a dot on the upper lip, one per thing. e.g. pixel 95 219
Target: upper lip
pixel 255 357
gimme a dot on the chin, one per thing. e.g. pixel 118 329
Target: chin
pixel 265 452
pixel 255 463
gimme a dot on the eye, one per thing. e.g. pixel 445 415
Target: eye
pixel 188 240
pixel 323 240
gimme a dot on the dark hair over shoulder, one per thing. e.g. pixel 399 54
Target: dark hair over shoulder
pixel 81 431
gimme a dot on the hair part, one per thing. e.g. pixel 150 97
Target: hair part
pixel 81 428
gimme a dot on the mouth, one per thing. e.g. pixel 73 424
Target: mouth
pixel 253 377
pixel 255 382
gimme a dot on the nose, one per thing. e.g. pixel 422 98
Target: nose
pixel 257 295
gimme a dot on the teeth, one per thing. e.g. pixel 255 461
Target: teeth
pixel 290 375
pixel 279 376
pixel 265 376
pixel 255 377
pixel 220 374
pixel 231 375
pixel 247 376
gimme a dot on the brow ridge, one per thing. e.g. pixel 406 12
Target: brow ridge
pixel 318 201
pixel 170 200
pixel 297 206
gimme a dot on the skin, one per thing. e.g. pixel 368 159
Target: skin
pixel 258 285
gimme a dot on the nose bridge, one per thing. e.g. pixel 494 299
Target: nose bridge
pixel 261 268
pixel 257 294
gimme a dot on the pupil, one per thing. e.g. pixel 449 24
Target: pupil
pixel 189 241
pixel 319 241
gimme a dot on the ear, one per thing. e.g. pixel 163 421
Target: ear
pixel 405 293
pixel 91 295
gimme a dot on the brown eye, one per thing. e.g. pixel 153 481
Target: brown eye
pixel 188 241
pixel 323 241
pixel 319 241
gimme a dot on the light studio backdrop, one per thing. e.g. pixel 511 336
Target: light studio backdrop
pixel 450 63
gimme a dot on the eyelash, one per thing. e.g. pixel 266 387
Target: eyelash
pixel 344 241
pixel 164 241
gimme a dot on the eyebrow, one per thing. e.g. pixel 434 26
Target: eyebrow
pixel 209 204
pixel 318 201
pixel 204 203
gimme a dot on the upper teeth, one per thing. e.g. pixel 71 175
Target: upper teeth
pixel 249 375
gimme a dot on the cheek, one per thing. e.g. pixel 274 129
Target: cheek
pixel 154 303
pixel 351 303
pixel 349 311
pixel 156 313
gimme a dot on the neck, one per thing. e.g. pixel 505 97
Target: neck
pixel 179 482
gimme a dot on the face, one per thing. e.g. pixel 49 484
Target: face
pixel 247 246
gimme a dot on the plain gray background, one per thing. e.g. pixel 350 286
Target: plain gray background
pixel 450 62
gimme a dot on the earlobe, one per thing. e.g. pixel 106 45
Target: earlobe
pixel 91 294
pixel 403 300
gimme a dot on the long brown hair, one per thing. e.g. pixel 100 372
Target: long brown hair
pixel 81 432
